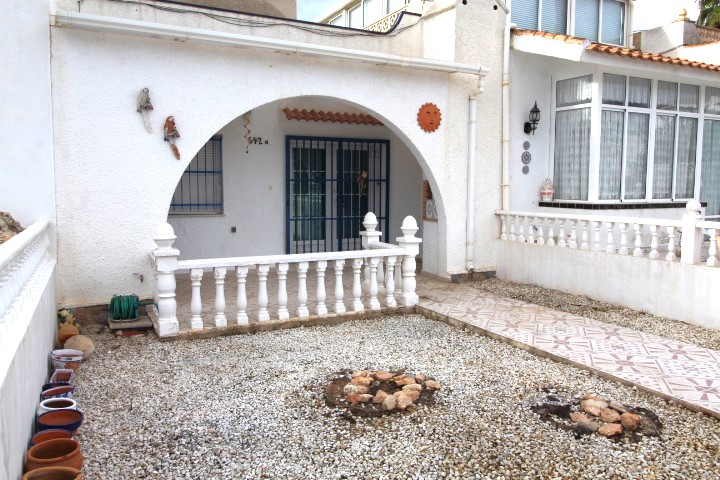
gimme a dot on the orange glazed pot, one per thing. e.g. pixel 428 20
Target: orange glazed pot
pixel 61 452
pixel 53 473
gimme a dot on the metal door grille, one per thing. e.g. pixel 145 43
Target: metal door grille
pixel 331 183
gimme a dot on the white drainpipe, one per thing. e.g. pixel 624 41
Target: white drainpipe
pixel 470 218
pixel 505 183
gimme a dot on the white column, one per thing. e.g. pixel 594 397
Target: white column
pixel 521 225
pixel 374 302
pixel 282 270
pixel 573 235
pixel 411 244
pixel 551 232
pixel 610 243
pixel 196 275
pixel 654 255
pixel 595 231
pixel 623 250
pixel 692 236
pixel 339 305
pixel 398 280
pixel 513 219
pixel 302 290
pixel 541 231
pixel 671 256
pixel 712 260
pixel 531 230
pixel 263 314
pixel 584 245
pixel 166 265
pixel 220 320
pixel 390 282
pixel 242 317
pixel 503 227
pixel 357 286
pixel 561 234
pixel 637 252
pixel 370 235
pixel 320 268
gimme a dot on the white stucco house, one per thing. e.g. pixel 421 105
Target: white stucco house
pixel 291 132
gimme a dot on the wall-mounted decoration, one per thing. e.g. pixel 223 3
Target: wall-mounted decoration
pixel 526 169
pixel 547 191
pixel 526 157
pixel 526 145
pixel 9 227
pixel 246 125
pixel 429 207
pixel 144 106
pixel 362 180
pixel 533 120
pixel 332 117
pixel 171 135
pixel 429 117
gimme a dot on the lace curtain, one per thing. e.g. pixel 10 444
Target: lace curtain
pixel 572 154
pixel 637 155
pixel 611 151
pixel 664 154
pixel 710 186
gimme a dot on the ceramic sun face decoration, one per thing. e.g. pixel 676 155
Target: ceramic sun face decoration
pixel 429 117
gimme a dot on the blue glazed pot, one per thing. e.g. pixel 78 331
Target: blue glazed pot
pixel 66 418
pixel 61 390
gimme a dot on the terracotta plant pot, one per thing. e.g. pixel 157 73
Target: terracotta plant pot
pixel 52 404
pixel 63 375
pixel 61 452
pixel 53 473
pixel 65 418
pixel 60 391
pixel 66 358
pixel 50 434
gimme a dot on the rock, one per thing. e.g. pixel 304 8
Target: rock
pixel 630 421
pixel 588 426
pixel 360 373
pixel 617 406
pixel 413 394
pixel 382 376
pixel 404 381
pixel 350 389
pixel 413 386
pixel 380 396
pixel 358 398
pixel 390 402
pixel 403 400
pixel 610 429
pixel 593 397
pixel 420 378
pixel 365 381
pixel 432 385
pixel 82 343
pixel 578 417
pixel 593 407
pixel 609 415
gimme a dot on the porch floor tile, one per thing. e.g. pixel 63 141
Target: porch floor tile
pixel 685 373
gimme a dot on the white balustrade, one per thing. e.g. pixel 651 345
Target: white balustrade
pixel 712 260
pixel 357 285
pixel 573 235
pixel 283 313
pixel 390 282
pixel 339 305
pixel 196 275
pixel 263 313
pixel 654 254
pixel 561 234
pixel 242 317
pixel 303 310
pixel 541 232
pixel 637 251
pixel 671 257
pixel 321 308
pixel 374 302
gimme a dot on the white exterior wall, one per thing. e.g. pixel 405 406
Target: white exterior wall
pixel 115 180
pixel 254 183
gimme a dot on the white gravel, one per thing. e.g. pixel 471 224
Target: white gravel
pixel 252 407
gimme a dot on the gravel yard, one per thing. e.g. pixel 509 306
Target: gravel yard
pixel 604 312
pixel 251 406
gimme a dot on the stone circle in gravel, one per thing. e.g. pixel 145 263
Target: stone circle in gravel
pixel 252 407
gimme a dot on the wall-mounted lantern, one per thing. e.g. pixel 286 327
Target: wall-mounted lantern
pixel 534 118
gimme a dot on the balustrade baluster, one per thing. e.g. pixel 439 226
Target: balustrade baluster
pixel 390 283
pixel 302 290
pixel 220 320
pixel 521 225
pixel 321 308
pixel 263 314
pixel 503 227
pixel 541 231
pixel 573 235
pixel 637 252
pixel 242 317
pixel 339 305
pixel 595 232
pixel 283 313
pixel 357 286
pixel 623 250
pixel 381 274
pixel 654 254
pixel 551 232
pixel 712 260
pixel 196 275
pixel 374 302
pixel 512 219
pixel 366 274
pixel 610 242
pixel 670 256
pixel 561 234
pixel 584 245
pixel 398 281
pixel 530 238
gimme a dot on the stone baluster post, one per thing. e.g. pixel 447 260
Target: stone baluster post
pixel 541 231
pixel 512 219
pixel 595 231
pixel 503 227
pixel 654 254
pixel 196 321
pixel 411 244
pixel 692 236
pixel 283 313
pixel 357 287
pixel 637 251
pixel 623 250
pixel 671 255
pixel 374 302
pixel 712 260
pixel 610 242
pixel 584 245
pixel 573 235
pixel 263 314
pixel 531 230
pixel 321 308
pixel 303 310
pixel 166 258
pixel 369 237
pixel 551 232
pixel 242 317
pixel 561 234
pixel 521 226
pixel 390 282
pixel 339 305
pixel 220 320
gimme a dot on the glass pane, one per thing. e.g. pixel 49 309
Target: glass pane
pixel 687 151
pixel 587 19
pixel 614 89
pixel 574 91
pixel 613 22
pixel 611 151
pixel 712 100
pixel 710 185
pixel 638 130
pixel 337 21
pixel 639 93
pixel 667 95
pixel 525 14
pixel 664 154
pixel 572 154
pixel 356 18
pixel 554 16
pixel 373 11
pixel 689 98
pixel 394 5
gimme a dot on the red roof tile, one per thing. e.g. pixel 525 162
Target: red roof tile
pixel 334 117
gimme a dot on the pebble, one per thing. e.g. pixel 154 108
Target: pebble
pixel 252 407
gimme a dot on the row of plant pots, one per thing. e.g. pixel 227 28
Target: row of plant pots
pixel 53 452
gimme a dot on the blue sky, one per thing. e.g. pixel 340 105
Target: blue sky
pixel 311 9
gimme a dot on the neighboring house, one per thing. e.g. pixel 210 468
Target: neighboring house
pixel 362 13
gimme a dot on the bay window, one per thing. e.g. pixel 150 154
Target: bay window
pixel 658 141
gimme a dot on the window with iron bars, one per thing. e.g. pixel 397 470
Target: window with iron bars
pixel 200 191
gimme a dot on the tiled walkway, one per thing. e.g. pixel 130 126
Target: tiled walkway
pixel 688 374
